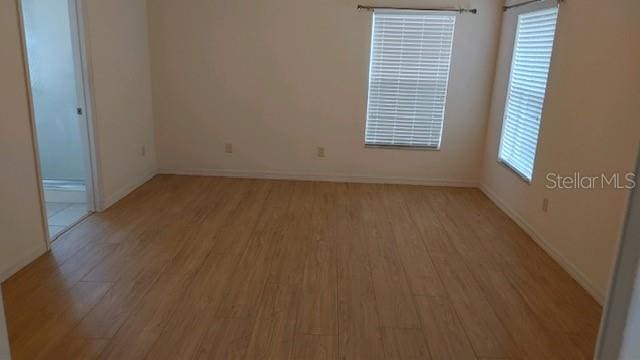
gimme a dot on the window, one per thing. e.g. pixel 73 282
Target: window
pixel 527 87
pixel 408 76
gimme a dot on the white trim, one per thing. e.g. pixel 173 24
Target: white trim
pixel 5 353
pixel 575 273
pixel 89 103
pixel 330 177
pixel 109 200
pixel 23 261
pixel 614 328
pixel 76 18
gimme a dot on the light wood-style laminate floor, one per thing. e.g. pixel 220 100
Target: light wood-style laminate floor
pixel 217 268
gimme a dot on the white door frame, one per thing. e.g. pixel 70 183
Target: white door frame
pixel 76 12
pixel 623 281
pixel 85 101
pixel 5 352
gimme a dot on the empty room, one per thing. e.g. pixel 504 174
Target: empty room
pixel 340 179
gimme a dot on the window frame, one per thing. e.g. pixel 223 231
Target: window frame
pixel 446 94
pixel 525 10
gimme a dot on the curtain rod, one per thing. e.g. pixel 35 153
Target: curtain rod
pixel 371 8
pixel 505 8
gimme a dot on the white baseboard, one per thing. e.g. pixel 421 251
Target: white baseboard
pixel 575 273
pixel 109 200
pixel 23 261
pixel 349 178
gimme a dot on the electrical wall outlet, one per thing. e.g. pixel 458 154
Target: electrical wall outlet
pixel 320 152
pixel 545 205
pixel 228 148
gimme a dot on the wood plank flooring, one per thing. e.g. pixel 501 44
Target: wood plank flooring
pixel 217 268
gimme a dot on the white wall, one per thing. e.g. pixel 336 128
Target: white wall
pixel 590 124
pixel 280 78
pixel 118 53
pixel 22 229
pixel 53 85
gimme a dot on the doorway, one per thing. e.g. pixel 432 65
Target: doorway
pixel 58 94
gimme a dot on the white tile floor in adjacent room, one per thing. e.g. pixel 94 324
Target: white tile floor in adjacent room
pixel 62 215
pixel 66 204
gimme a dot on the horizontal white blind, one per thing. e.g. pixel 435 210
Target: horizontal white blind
pixel 527 87
pixel 409 72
